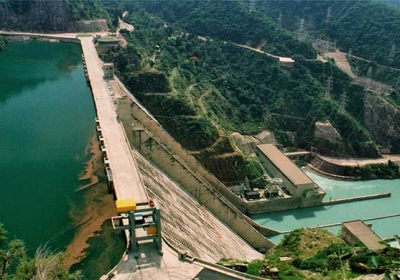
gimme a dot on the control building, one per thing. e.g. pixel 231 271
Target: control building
pixel 295 181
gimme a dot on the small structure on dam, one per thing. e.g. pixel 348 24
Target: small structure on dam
pixel 143 220
pixel 294 181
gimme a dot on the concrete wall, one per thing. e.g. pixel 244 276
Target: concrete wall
pixel 146 127
pixel 187 171
pixel 348 236
pixel 29 36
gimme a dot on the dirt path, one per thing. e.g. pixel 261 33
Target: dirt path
pixel 201 104
pixel 257 50
pixel 341 62
pixel 124 25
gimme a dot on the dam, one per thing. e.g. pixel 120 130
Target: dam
pixel 197 246
pixel 184 218
pixel 127 187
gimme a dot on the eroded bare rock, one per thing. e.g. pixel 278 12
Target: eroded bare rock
pixel 383 121
pixel 325 130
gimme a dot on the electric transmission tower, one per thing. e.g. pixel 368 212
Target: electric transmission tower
pixel 369 72
pixel 301 32
pixel 279 20
pixel 252 5
pixel 392 53
pixel 329 87
pixel 329 14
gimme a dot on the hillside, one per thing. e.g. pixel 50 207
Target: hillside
pixel 203 88
pixel 318 254
pixel 184 63
pixel 51 16
pixel 367 28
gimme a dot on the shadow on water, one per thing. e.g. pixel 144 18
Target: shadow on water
pixel 280 216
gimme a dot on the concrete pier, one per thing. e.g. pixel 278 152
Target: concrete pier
pixel 358 198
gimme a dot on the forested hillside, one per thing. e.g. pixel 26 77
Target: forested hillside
pixel 48 16
pixel 203 88
pixel 368 28
pixel 228 20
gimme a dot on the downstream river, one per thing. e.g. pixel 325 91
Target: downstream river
pixel 324 215
pixel 47 121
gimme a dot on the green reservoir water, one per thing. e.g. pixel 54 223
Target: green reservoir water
pixel 46 122
pixel 324 215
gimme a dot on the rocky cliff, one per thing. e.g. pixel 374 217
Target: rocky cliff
pixel 383 121
pixel 49 16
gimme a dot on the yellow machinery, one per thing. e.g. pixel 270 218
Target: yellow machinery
pixel 143 221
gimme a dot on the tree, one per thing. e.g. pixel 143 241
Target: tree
pixel 44 265
pixel 10 252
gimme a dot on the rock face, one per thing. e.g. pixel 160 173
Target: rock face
pixel 49 16
pixel 266 137
pixel 383 121
pixel 325 130
pixel 245 142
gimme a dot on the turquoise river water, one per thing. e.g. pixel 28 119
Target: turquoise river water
pixel 46 123
pixel 325 215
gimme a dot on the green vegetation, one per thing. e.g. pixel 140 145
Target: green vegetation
pixel 378 171
pixel 203 88
pixel 17 265
pixel 86 9
pixel 381 73
pixel 48 16
pixel 234 21
pixel 368 28
pixel 318 254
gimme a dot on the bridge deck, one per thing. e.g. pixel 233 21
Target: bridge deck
pixel 126 178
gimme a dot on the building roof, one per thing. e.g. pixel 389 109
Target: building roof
pixel 365 234
pixel 285 165
pixel 286 59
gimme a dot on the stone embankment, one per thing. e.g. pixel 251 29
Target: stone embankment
pixel 326 168
pixel 342 169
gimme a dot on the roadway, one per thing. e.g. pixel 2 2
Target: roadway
pixel 127 181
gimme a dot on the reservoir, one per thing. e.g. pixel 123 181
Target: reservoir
pixel 325 215
pixel 47 122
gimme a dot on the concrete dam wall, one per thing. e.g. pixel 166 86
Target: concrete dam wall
pixel 151 140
